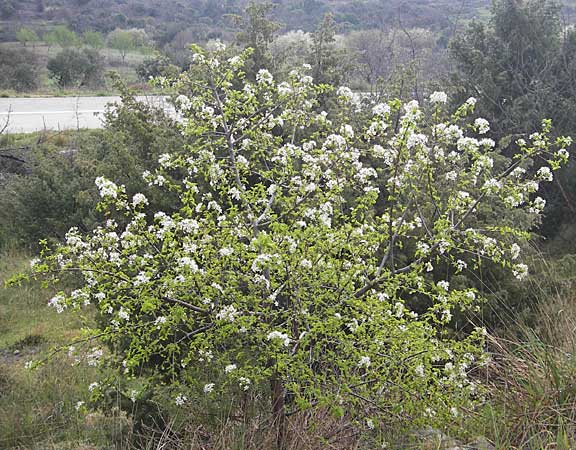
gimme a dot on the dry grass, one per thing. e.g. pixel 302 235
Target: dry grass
pixel 313 430
pixel 532 380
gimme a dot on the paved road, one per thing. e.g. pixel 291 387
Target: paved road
pixel 26 115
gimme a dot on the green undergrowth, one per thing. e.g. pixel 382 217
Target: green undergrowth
pixel 38 408
pixel 26 324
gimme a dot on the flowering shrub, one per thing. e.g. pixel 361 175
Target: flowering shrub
pixel 304 252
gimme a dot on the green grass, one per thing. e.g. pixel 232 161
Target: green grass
pixel 38 407
pixel 23 310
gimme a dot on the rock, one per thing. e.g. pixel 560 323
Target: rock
pixel 433 439
pixel 480 443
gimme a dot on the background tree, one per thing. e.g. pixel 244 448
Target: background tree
pixel 58 192
pixel 7 8
pixel 329 62
pixel 122 40
pixel 289 50
pixel 513 62
pixel 520 64
pixel 26 36
pixel 93 39
pixel 20 70
pixel 156 66
pixel 258 32
pixel 399 60
pixel 75 68
pixel 62 36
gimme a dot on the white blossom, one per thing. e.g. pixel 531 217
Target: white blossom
pixel 264 76
pixel 164 160
pixel 123 314
pixel 423 247
pixel 520 271
pixel 278 335
pixel 412 110
pixel 94 356
pixel 482 125
pixel 234 192
pixel 380 109
pixel 415 140
pixel 141 278
pixel 443 285
pixel 492 185
pixel 451 176
pixel 487 142
pixel 235 61
pixel 58 302
pixel 364 362
pixel 438 97
pixel 347 130
pixel 419 370
pixel 345 92
pixel 537 205
pixel 184 102
pixel 227 313
pixel 133 395
pixel 514 251
pixel 160 321
pixel 106 187
pixel 226 251
pixel 189 225
pixel 244 383
pixel 461 265
pixel 189 263
pixel 544 173
pixel 180 399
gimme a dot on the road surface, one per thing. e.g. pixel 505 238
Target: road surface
pixel 26 115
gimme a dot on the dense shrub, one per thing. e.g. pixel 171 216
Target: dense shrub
pixel 76 68
pixel 19 70
pixel 521 64
pixel 155 67
pixel 59 193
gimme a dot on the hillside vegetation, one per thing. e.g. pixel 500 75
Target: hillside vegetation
pixel 165 19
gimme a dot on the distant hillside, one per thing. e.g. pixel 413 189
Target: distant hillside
pixel 167 17
pixel 164 19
